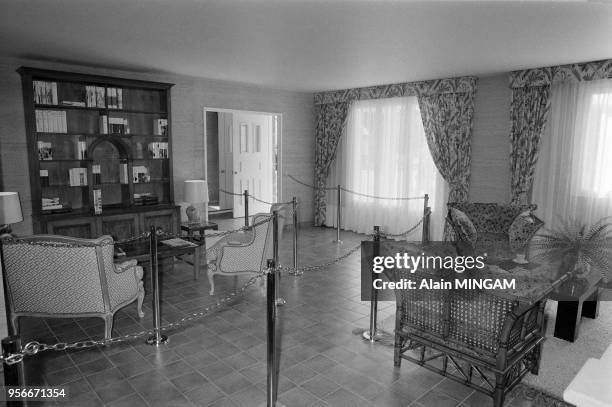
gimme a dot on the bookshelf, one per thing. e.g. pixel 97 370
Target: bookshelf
pixel 99 154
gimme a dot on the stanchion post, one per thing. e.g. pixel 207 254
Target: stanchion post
pixel 246 208
pixel 295 236
pixel 157 338
pixel 279 301
pixel 271 387
pixel 372 334
pixel 13 374
pixel 425 235
pixel 338 213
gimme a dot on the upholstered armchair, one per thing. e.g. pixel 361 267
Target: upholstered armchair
pixel 493 228
pixel 66 277
pixel 244 257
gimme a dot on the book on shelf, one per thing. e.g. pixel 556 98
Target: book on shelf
pixel 97 201
pixel 95 173
pixel 159 150
pixel 45 93
pixel 124 177
pixel 81 150
pixel 178 242
pixel 77 177
pixel 54 205
pixel 73 103
pixel 118 125
pixel 140 174
pixel 103 121
pixel 44 178
pixel 114 98
pixel 45 150
pixel 160 127
pixel 51 121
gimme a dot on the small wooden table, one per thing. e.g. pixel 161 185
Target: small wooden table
pixel 139 250
pixel 201 227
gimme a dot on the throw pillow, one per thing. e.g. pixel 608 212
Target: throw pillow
pixel 522 230
pixel 463 226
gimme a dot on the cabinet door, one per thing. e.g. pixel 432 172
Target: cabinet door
pixel 121 226
pixel 166 219
pixel 76 227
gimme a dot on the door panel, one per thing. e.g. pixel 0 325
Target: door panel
pixel 252 160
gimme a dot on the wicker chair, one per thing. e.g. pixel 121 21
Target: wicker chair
pixel 244 257
pixel 66 277
pixel 483 340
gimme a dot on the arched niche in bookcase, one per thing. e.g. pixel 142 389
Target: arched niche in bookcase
pixel 111 166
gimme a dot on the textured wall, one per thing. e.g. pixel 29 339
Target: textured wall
pixel 490 180
pixel 189 97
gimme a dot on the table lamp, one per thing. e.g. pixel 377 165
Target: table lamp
pixel 10 212
pixel 196 192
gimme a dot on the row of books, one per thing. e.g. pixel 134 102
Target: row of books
pixel 94 96
pixel 145 198
pixel 159 150
pixel 45 93
pixel 45 150
pixel 114 125
pixel 51 121
pixel 114 98
pixel 97 201
pixel 77 177
pixel 160 127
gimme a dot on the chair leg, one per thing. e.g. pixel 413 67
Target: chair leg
pixel 15 324
pixel 141 295
pixel 211 280
pixel 108 326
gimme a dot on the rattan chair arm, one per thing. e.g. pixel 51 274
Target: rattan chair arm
pixel 126 265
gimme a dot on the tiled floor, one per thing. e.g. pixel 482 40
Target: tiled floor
pixel 220 360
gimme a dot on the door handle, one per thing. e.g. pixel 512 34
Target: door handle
pixel 235 172
pixel 222 172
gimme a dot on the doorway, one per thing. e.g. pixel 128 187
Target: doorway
pixel 241 153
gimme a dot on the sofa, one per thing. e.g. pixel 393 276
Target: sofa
pixel 502 230
pixel 65 277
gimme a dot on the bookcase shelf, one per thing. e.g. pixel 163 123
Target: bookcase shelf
pixel 97 145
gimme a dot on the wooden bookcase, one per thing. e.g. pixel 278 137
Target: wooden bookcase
pixel 99 154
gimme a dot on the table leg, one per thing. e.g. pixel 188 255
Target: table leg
pixel 568 318
pixel 196 262
pixel 590 308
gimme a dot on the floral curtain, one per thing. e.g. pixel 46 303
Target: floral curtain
pixel 331 120
pixel 447 119
pixel 529 111
pixel 331 110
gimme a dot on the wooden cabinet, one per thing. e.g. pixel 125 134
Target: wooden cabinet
pixel 99 153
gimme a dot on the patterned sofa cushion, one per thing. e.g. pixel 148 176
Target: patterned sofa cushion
pixel 463 226
pixel 491 217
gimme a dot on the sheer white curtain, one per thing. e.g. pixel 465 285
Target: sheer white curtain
pixel 384 153
pixel 573 177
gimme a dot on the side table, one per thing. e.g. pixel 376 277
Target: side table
pixel 192 228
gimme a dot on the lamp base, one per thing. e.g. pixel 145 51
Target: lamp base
pixel 193 216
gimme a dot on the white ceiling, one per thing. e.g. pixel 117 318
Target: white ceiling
pixel 308 45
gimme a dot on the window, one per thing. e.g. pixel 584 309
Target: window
pixel 384 153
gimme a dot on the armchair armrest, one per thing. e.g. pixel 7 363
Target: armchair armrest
pixel 124 266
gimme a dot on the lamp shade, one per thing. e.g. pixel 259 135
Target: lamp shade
pixel 196 191
pixel 10 208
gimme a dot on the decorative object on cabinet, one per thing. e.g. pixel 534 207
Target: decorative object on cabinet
pixel 98 145
pixel 10 212
pixel 196 193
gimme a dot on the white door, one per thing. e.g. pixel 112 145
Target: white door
pixel 252 161
pixel 226 162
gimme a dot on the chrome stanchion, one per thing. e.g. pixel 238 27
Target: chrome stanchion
pixel 426 218
pixel 295 236
pixel 156 339
pixel 246 208
pixel 13 374
pixel 279 301
pixel 338 215
pixel 373 335
pixel 272 357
